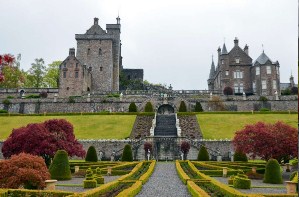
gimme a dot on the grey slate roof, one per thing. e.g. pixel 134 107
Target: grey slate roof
pixel 212 71
pixel 262 59
pixel 224 51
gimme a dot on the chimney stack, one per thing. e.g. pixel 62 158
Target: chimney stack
pixel 246 50
pixel 236 41
pixel 96 21
pixel 72 52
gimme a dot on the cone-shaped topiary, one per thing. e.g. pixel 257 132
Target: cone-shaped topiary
pixel 127 153
pixel 239 156
pixel 132 107
pixel 60 168
pixel 272 173
pixel 203 154
pixel 91 154
pixel 148 107
pixel 198 107
pixel 182 107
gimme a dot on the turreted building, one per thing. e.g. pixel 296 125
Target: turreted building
pixel 97 64
pixel 236 70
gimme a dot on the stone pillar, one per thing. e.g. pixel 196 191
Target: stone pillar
pixel 291 187
pixel 244 96
pixel 23 96
pixel 77 168
pixel 276 96
pixel 288 167
pixel 88 97
pixel 253 169
pixel 224 171
pixel 121 97
pixel 211 96
pixel 55 97
pixel 109 170
pixel 50 184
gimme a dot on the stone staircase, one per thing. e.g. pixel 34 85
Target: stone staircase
pixel 165 125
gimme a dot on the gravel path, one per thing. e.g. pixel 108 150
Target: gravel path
pixel 107 179
pixel 164 182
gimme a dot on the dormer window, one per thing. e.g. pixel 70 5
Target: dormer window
pixel 237 60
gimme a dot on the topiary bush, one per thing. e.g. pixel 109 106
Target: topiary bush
pixel 239 156
pixel 273 173
pixel 182 107
pixel 132 107
pixel 127 153
pixel 203 154
pixel 241 183
pixel 90 183
pixel 91 154
pixel 148 107
pixel 198 107
pixel 60 168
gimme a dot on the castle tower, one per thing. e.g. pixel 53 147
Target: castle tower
pixel 100 50
pixel 292 83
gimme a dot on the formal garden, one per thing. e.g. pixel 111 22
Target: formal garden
pixel 45 158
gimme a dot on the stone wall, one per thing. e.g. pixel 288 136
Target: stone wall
pixel 108 146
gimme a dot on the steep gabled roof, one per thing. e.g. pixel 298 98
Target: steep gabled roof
pixel 95 28
pixel 262 59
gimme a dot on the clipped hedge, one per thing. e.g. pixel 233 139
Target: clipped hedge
pixel 219 173
pixel 135 169
pixel 127 153
pixel 99 190
pixel 183 176
pixel 89 183
pixel 242 183
pixel 3 192
pixel 144 178
pixel 239 156
pixel 195 190
pixel 60 168
pixel 27 192
pixel 131 191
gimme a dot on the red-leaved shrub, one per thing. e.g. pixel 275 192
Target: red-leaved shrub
pixel 23 170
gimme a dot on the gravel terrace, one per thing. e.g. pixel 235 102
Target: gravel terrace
pixel 80 181
pixel 164 182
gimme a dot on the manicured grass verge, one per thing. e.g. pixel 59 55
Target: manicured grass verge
pixel 221 126
pixel 85 127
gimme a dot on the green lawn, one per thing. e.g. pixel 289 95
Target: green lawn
pixel 86 126
pixel 221 126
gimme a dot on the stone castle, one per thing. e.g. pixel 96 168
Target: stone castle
pixel 235 69
pixel 97 65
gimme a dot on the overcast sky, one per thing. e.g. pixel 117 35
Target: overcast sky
pixel 173 41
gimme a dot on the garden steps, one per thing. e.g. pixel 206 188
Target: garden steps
pixel 165 125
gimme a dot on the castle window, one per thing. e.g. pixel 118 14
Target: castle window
pixel 101 68
pixel 64 65
pixel 274 85
pixel 67 88
pixel 100 51
pixel 64 74
pixel 257 70
pixel 238 74
pixel 227 73
pixel 241 88
pixel 76 65
pixel 76 74
pixel 237 60
pixel 254 87
pixel 236 87
pixel 222 61
pixel 268 69
pixel 277 70
pixel 88 51
pixel 264 84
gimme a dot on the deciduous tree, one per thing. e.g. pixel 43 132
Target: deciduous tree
pixel 36 73
pixel 267 141
pixel 43 139
pixel 185 147
pixel 51 77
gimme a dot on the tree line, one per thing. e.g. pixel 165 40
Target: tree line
pixel 38 75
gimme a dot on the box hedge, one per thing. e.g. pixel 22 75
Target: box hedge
pixel 241 182
pixel 90 183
